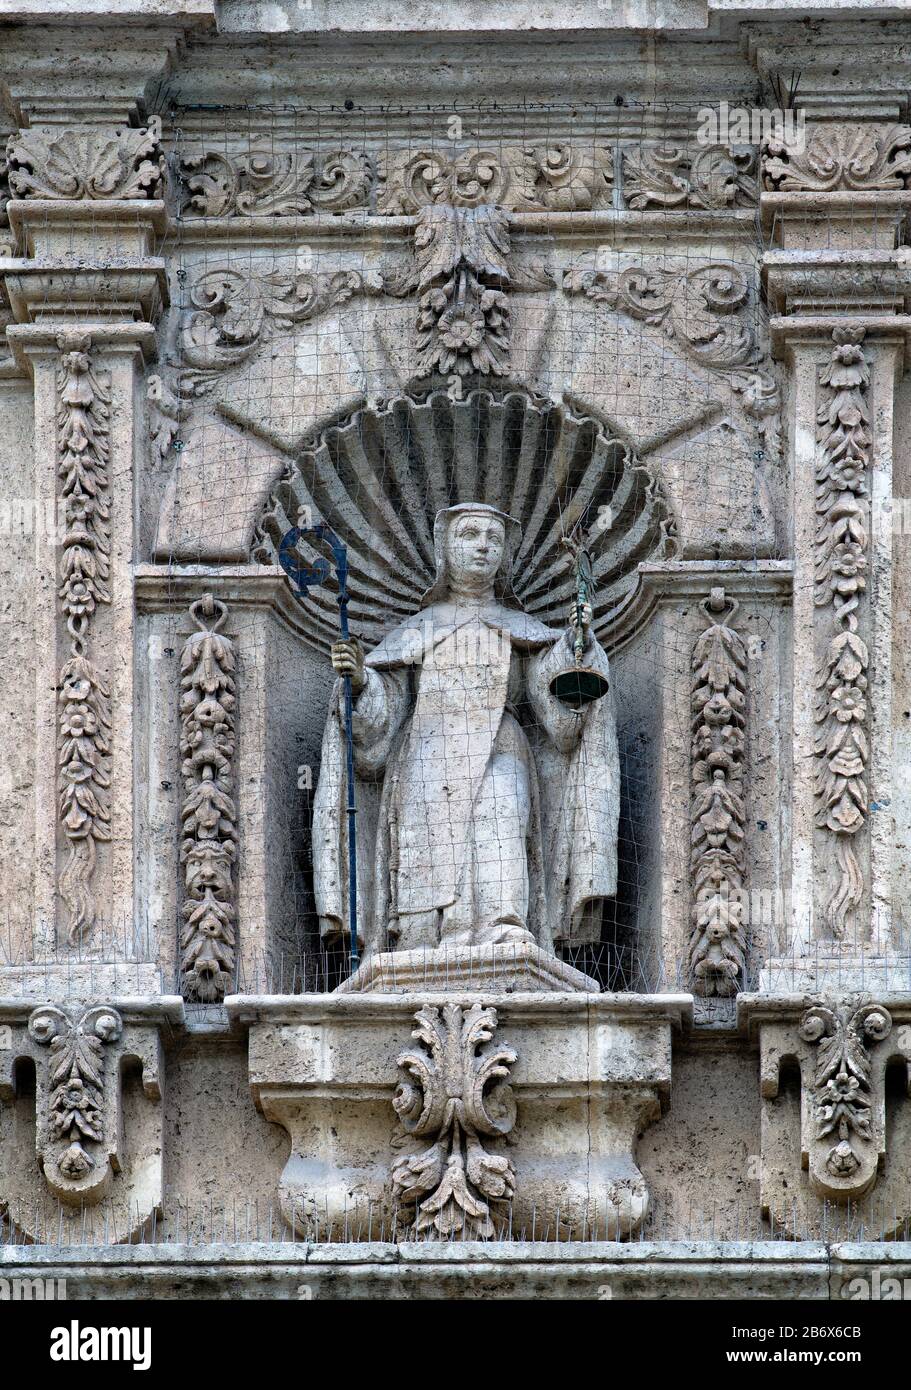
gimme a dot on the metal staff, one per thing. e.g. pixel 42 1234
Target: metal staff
pixel 304 576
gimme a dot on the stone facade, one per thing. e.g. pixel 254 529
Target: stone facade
pixel 633 278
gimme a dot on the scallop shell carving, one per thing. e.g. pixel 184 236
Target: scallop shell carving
pixel 380 477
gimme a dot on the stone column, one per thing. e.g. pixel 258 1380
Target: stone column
pixel 85 288
pixel 838 289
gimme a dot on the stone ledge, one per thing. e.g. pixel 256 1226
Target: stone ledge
pixel 803 1270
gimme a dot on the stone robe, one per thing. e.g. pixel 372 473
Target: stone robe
pixel 485 805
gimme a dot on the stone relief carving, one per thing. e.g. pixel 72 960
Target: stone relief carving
pixel 862 156
pixel 844 1147
pixel 209 815
pixel 479 851
pixel 558 178
pixel 709 311
pixel 275 183
pixel 302 182
pixel 73 1126
pixel 717 944
pixel 84 720
pixel 234 311
pixel 164 415
pixel 87 163
pixel 461 275
pixel 456 1095
pixel 844 440
pixel 461 445
pixel 689 176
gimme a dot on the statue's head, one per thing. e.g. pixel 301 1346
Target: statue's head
pixel 474 546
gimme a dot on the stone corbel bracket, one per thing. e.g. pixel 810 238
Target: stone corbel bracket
pixel 593 1070
pixel 841 1046
pixel 81 1052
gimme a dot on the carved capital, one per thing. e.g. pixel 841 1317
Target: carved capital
pixel 87 162
pixel 835 157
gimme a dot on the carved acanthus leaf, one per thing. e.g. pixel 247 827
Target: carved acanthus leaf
pixel 844 439
pixel 689 176
pixel 84 718
pixel 87 163
pixel 717 941
pixel 209 815
pixel 461 275
pixel 455 1093
pixel 234 311
pixel 559 177
pixel 275 183
pixel 834 157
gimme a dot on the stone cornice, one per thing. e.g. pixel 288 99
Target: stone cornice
pixel 769 581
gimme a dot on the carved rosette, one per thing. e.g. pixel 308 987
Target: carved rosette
pixel 209 816
pixel 456 1093
pixel 717 950
pixel 461 275
pixel 72 1133
pixel 836 157
pixel 846 1124
pixel 689 176
pixel 844 440
pixel 87 163
pixel 84 718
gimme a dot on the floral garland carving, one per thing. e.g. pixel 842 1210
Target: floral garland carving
pixel 717 945
pixel 842 1093
pixel 83 747
pixel 87 163
pixel 861 157
pixel 75 1116
pixel 209 816
pixel 845 440
pixel 689 176
pixel 275 183
pixel 455 1096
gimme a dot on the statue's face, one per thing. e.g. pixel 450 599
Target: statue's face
pixel 474 548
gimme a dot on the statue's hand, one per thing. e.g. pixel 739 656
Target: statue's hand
pixel 580 615
pixel 348 660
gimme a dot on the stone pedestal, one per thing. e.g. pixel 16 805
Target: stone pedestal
pixel 553 1116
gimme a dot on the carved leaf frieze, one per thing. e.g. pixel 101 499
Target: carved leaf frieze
pixel 209 814
pixel 689 176
pixel 233 311
pixel 717 871
pixel 87 163
pixel 455 1094
pixel 862 156
pixel 84 717
pixel 556 178
pixel 844 439
pixel 275 183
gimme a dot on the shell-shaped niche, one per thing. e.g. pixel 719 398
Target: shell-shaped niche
pixel 380 477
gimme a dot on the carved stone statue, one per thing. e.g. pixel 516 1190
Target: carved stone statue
pixel 486 808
